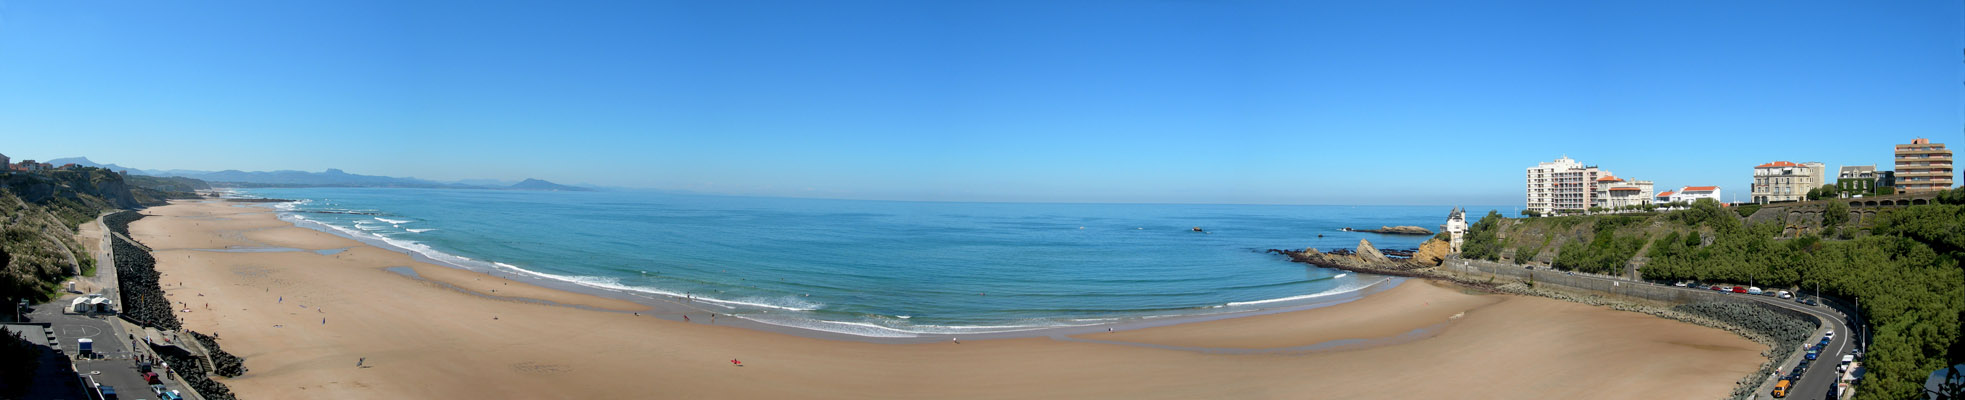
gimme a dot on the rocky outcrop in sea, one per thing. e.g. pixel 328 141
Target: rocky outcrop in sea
pixel 1394 230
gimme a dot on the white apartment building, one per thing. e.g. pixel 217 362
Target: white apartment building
pixel 1786 181
pixel 1613 193
pixel 1690 194
pixel 1562 185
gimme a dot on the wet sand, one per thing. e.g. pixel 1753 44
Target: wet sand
pixel 450 333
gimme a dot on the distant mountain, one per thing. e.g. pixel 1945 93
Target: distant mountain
pixel 84 161
pixel 535 184
pixel 330 177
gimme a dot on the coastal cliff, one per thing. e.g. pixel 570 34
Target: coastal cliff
pixel 39 212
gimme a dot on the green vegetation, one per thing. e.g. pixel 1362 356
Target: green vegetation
pixel 38 215
pixel 1746 210
pixel 1481 242
pixel 41 250
pixel 1606 252
pixel 1906 273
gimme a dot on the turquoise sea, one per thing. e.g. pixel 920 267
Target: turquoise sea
pixel 876 268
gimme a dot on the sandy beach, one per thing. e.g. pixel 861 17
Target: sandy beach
pixel 302 319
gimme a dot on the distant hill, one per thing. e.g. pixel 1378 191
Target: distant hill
pixel 535 184
pixel 84 161
pixel 329 178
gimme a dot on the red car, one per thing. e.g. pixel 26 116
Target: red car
pixel 1719 288
pixel 1739 289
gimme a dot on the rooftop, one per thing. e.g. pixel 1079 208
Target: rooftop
pixel 1699 188
pixel 1778 164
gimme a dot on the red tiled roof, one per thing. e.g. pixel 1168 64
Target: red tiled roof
pixel 1701 188
pixel 1608 179
pixel 1632 189
pixel 1665 194
pixel 1778 164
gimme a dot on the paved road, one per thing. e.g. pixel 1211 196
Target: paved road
pixel 116 366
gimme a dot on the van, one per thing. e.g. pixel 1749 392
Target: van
pixel 1846 360
pixel 1781 389
pixel 1784 294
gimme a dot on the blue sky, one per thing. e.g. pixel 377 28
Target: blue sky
pixel 1099 101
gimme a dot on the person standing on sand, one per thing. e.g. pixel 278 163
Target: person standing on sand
pixel 685 318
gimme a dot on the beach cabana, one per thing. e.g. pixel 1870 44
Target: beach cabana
pixel 93 303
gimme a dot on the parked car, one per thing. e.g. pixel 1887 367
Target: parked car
pixel 1812 353
pixel 1831 333
pixel 1844 366
pixel 1719 288
pixel 1785 295
pixel 1753 290
pixel 1682 284
pixel 171 395
pixel 1739 289
pixel 1781 389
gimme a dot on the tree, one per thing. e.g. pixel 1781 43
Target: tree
pixel 1836 214
pixel 1953 196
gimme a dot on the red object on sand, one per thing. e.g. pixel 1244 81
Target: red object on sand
pixel 734 361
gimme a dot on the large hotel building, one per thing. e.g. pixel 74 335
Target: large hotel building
pixel 1563 185
pixel 1923 166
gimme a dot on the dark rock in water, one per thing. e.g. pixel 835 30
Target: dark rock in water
pixel 1198 229
pixel 1394 230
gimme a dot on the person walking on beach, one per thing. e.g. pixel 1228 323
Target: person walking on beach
pixel 685 318
pixel 956 340
pixel 358 363
pixel 712 318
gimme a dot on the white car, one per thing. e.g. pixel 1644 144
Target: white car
pixel 1831 333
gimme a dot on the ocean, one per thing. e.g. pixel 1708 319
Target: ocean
pixel 876 268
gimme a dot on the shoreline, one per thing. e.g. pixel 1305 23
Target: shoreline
pixel 670 307
pixel 454 333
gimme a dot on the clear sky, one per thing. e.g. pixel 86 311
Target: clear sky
pixel 1104 101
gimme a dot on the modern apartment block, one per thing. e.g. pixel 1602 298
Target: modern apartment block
pixel 1689 194
pixel 1786 181
pixel 1613 193
pixel 1923 166
pixel 1563 185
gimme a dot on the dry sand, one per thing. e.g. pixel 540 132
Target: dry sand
pixel 428 340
